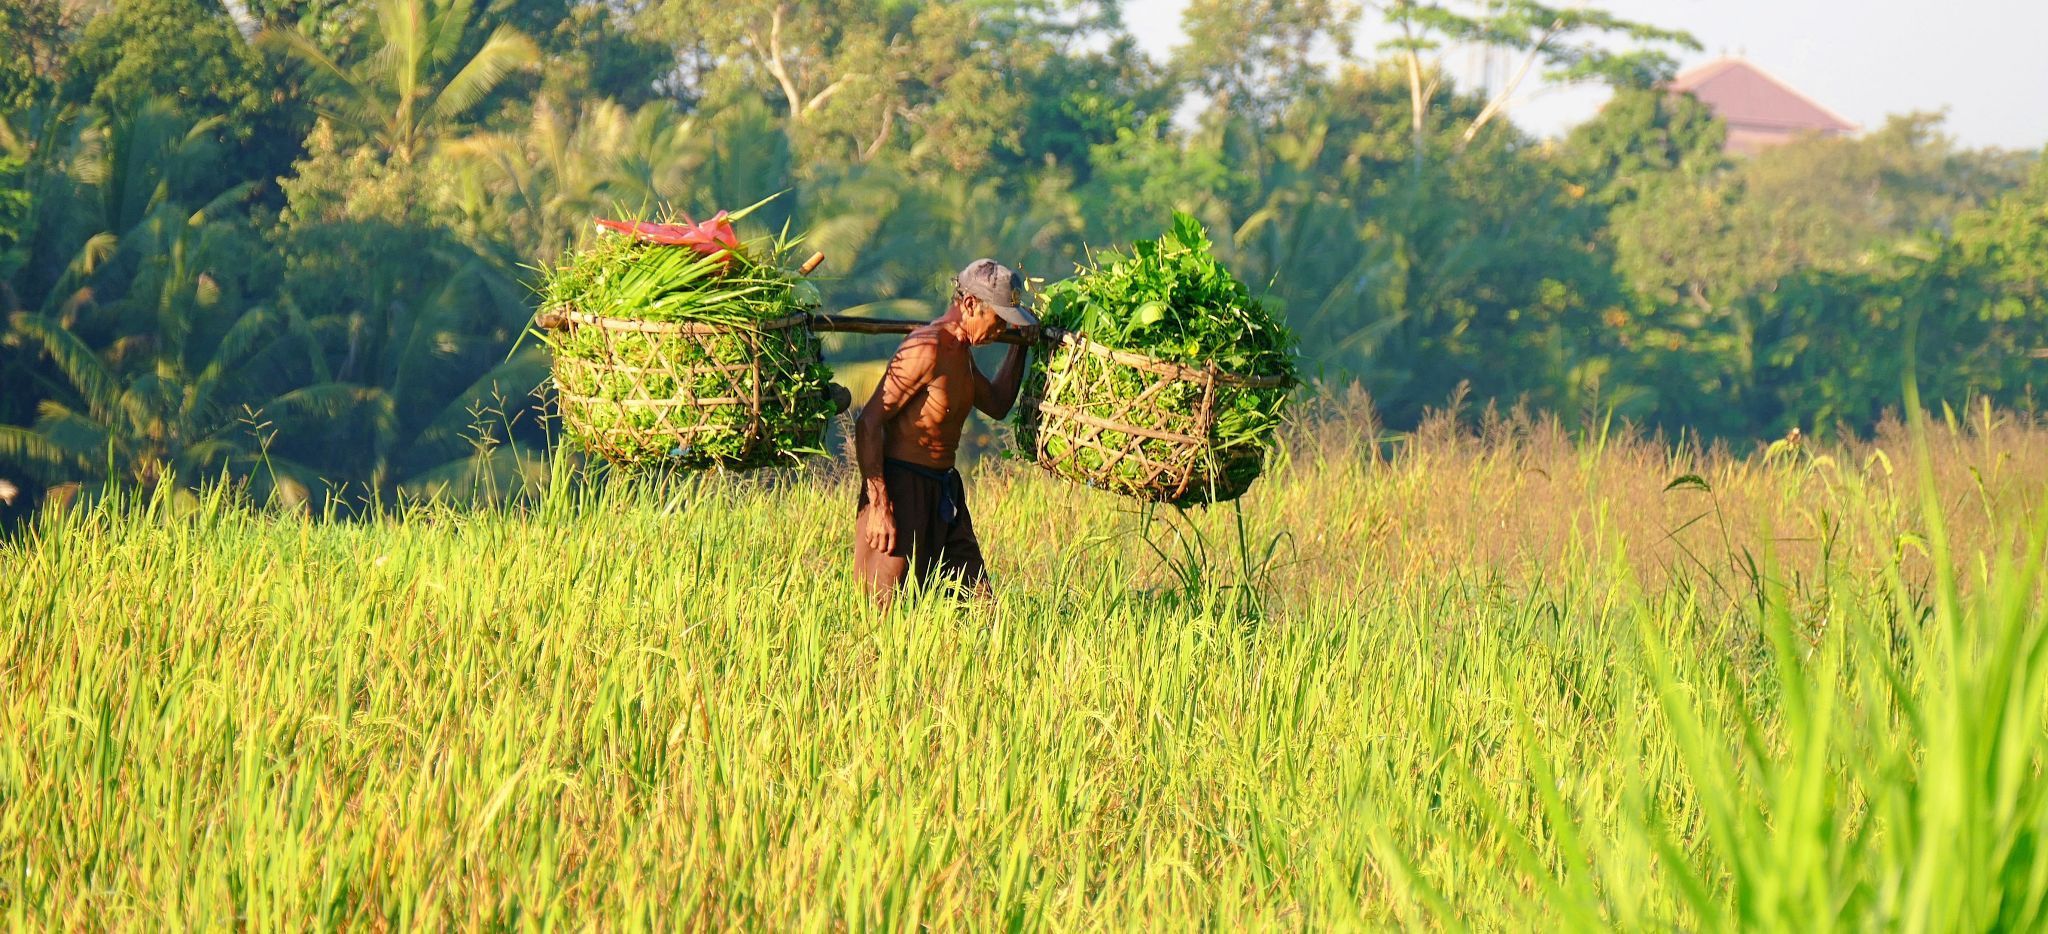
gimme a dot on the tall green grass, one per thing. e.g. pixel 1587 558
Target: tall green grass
pixel 1491 678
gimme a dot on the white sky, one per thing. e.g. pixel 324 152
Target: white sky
pixel 1984 61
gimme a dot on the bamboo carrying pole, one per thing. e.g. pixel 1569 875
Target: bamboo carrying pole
pixel 555 319
pixel 848 324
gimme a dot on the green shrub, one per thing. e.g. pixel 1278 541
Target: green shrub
pixel 1169 299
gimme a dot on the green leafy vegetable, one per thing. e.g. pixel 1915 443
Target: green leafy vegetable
pixel 1173 300
pixel 613 376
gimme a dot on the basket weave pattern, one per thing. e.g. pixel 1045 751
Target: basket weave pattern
pixel 641 390
pixel 1136 425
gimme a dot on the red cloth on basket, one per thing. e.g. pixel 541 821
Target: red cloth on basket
pixel 709 238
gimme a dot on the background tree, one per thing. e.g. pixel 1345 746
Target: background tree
pixel 34 32
pixel 594 54
pixel 1569 42
pixel 186 253
pixel 1080 99
pixel 854 81
pixel 1476 270
pixel 1814 204
pixel 1252 58
pixel 414 85
pixel 1640 138
pixel 158 354
pixel 189 52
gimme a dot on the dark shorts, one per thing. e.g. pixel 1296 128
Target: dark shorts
pixel 933 529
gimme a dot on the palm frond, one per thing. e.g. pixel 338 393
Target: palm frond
pixel 444 31
pixel 86 372
pixel 203 460
pixel 86 440
pixel 509 385
pixel 334 402
pixel 297 325
pixel 286 481
pixel 201 133
pixel 230 357
pixel 147 404
pixel 93 252
pixel 46 460
pixel 506 51
pixel 355 101
pixel 296 44
pixel 402 26
pixel 218 205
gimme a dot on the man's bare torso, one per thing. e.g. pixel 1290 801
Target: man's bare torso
pixel 927 430
pixel 913 508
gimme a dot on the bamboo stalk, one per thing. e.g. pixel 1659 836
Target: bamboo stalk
pixel 848 324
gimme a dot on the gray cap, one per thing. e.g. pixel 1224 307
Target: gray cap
pixel 999 287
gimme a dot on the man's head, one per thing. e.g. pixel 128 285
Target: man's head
pixel 987 297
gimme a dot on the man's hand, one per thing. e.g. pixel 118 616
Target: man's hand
pixel 995 397
pixel 878 524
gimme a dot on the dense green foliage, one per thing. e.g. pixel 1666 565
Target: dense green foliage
pixel 621 389
pixel 620 277
pixel 1507 680
pixel 1169 299
pixel 1172 299
pixel 365 186
pixel 1748 701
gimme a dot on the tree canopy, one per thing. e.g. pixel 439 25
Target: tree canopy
pixel 292 240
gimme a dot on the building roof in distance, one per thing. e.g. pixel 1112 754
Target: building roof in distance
pixel 1744 95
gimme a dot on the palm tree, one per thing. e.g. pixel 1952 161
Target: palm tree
pixel 403 95
pixel 878 225
pixel 414 320
pixel 196 385
pixel 538 189
pixel 186 392
pixel 150 363
pixel 442 396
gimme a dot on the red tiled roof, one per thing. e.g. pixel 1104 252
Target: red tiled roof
pixel 1747 96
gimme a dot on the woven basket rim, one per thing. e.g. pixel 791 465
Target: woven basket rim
pixel 673 402
pixel 1151 364
pixel 679 327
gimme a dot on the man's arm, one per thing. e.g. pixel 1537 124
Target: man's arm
pixel 995 397
pixel 908 372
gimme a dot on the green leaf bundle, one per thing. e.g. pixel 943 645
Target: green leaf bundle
pixel 728 381
pixel 1173 301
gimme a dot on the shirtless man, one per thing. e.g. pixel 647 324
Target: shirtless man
pixel 913 508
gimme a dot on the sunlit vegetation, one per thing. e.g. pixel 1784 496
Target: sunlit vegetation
pixel 1487 675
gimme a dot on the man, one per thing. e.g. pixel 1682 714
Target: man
pixel 913 509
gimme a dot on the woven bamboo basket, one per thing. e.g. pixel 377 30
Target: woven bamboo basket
pixel 1137 425
pixel 648 392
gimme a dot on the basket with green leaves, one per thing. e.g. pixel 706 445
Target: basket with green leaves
pixel 1170 380
pixel 678 345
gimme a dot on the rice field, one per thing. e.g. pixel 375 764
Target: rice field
pixel 1493 674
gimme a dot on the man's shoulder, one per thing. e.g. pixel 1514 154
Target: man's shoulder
pixel 933 332
pixel 930 343
pixel 918 354
pixel 922 342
